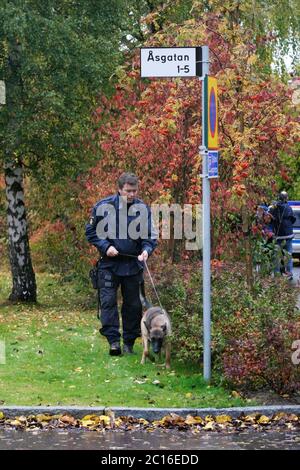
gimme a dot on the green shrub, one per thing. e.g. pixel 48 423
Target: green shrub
pixel 57 249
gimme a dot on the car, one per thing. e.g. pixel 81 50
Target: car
pixel 295 205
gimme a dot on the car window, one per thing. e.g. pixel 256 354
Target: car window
pixel 297 215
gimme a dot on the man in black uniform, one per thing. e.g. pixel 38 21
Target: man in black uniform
pixel 121 229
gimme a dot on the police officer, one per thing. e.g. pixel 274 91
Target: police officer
pixel 122 231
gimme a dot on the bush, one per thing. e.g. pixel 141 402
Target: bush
pixel 57 249
pixel 252 334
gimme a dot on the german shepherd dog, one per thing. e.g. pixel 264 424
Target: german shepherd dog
pixel 156 329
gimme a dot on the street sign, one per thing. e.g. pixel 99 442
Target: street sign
pixel 213 164
pixel 171 62
pixel 193 62
pixel 211 111
pixel 2 92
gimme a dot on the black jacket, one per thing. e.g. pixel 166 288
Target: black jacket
pixel 283 219
pixel 111 208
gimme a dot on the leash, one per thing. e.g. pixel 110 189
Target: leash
pixel 149 274
pixel 152 282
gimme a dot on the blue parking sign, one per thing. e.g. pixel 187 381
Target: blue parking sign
pixel 213 164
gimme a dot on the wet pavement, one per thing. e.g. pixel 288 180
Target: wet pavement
pixel 142 440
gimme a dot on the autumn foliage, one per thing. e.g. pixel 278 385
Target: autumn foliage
pixel 153 127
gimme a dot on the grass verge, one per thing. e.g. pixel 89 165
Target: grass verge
pixel 55 356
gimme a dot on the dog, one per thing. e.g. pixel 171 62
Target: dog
pixel 155 329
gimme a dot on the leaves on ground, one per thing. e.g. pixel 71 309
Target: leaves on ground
pixel 108 421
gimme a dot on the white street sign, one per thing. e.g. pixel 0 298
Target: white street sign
pixel 213 164
pixel 171 61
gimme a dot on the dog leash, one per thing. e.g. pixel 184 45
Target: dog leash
pixel 149 274
pixel 152 282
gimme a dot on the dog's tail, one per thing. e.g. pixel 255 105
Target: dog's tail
pixel 145 303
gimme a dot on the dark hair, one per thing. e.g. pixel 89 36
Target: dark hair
pixel 127 178
pixel 283 196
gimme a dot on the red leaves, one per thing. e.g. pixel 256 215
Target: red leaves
pixel 154 128
pixel 163 131
pixel 284 175
pixel 239 189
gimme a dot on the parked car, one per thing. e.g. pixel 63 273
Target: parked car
pixel 295 205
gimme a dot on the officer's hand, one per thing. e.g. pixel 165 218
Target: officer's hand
pixel 143 256
pixel 112 251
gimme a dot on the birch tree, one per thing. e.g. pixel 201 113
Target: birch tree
pixel 55 56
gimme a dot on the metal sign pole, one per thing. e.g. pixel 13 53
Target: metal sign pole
pixel 206 232
pixel 191 62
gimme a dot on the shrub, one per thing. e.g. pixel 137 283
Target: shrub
pixel 252 334
pixel 57 249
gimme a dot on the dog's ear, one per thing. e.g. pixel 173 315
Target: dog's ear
pixel 164 327
pixel 147 327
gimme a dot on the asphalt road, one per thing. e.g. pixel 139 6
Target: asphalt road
pixel 143 440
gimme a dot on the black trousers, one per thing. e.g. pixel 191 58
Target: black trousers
pixel 131 311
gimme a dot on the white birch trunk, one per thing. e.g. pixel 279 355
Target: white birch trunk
pixel 23 277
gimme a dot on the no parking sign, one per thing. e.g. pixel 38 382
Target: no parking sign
pixel 211 113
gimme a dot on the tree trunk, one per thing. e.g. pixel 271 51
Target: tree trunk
pixel 248 251
pixel 23 277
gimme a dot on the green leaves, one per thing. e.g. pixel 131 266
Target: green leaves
pixel 55 57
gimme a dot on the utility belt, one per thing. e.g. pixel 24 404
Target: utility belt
pixel 93 274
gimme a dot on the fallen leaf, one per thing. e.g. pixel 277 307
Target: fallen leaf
pixel 190 420
pixel 41 417
pixel 15 422
pixel 22 419
pixel 293 417
pixel 209 418
pixel 290 426
pixel 106 420
pixel 210 426
pixel 280 416
pixel 222 419
pixel 263 420
pixel 68 419
pixel 144 422
pixel 87 423
pixel 250 418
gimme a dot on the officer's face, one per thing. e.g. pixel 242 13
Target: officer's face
pixel 130 191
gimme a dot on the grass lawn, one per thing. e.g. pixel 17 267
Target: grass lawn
pixel 55 356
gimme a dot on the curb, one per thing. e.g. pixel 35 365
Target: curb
pixel 149 414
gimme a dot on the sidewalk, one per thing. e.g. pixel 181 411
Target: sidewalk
pixel 149 414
